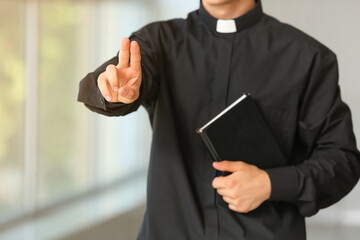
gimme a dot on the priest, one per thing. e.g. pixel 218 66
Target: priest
pixel 184 72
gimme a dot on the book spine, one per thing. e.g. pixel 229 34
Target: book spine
pixel 209 146
pixel 213 152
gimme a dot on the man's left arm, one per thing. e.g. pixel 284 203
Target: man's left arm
pixel 325 139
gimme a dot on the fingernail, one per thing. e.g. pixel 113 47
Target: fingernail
pixel 108 98
pixel 116 89
pixel 216 164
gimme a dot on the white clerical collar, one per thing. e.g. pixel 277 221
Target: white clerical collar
pixel 226 26
pixel 231 26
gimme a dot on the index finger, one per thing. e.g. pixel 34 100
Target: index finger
pixel 124 53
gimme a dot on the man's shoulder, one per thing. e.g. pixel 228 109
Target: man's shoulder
pixel 291 34
pixel 163 26
pixel 173 27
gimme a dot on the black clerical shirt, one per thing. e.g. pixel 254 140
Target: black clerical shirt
pixel 190 73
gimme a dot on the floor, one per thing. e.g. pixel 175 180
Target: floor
pixel 333 233
pixel 126 228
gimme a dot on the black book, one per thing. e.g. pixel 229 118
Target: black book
pixel 240 133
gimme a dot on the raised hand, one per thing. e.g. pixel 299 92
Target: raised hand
pixel 121 83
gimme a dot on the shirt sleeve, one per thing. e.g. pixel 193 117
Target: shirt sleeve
pixel 325 138
pixel 91 96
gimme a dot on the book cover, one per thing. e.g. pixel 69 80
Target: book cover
pixel 240 133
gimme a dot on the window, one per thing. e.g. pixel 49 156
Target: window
pixel 12 112
pixel 51 147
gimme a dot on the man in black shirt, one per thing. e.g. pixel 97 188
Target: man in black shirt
pixel 184 72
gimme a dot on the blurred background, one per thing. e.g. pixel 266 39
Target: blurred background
pixel 67 173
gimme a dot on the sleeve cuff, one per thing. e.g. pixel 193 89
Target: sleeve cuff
pixel 284 183
pixel 89 92
pixel 111 105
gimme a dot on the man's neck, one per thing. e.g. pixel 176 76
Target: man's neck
pixel 228 9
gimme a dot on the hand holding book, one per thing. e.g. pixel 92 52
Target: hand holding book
pixel 245 189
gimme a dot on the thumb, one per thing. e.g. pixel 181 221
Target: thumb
pixel 128 94
pixel 229 166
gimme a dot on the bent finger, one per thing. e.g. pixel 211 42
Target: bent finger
pixel 223 192
pixel 103 87
pixel 233 208
pixel 111 75
pixel 218 182
pixel 229 200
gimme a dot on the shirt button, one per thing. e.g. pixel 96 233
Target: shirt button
pixel 101 100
